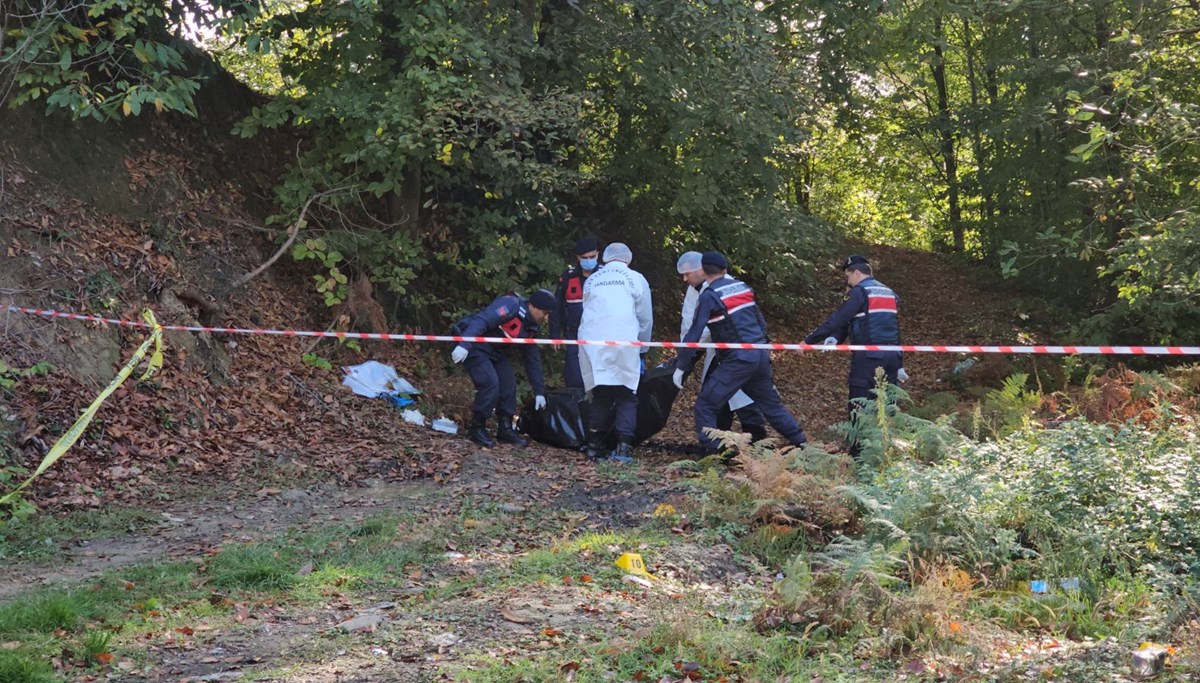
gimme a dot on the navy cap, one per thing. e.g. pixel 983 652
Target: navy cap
pixel 542 299
pixel 853 260
pixel 586 244
pixel 714 258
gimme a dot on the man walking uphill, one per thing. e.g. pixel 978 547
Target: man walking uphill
pixel 869 315
pixel 616 307
pixel 495 384
pixel 727 307
pixel 568 312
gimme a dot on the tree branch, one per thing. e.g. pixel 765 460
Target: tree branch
pixel 291 233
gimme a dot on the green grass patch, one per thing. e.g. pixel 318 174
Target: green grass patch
pixel 80 624
pixel 774 545
pixel 39 537
pixel 47 612
pixel 682 643
pixel 589 553
pixel 19 668
pixel 255 567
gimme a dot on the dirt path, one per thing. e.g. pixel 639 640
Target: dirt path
pixel 415 638
pixel 199 527
pixel 514 479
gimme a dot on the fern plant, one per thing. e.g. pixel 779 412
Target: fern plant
pixel 1011 406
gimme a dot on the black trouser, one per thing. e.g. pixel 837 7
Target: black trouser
pixel 863 365
pixel 854 409
pixel 753 376
pixel 572 376
pixel 749 417
pixel 495 384
pixel 615 407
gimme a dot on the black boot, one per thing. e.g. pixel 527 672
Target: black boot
pixel 479 433
pixel 594 446
pixel 506 434
pixel 756 432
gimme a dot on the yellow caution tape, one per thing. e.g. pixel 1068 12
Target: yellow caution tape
pixel 632 563
pixel 72 435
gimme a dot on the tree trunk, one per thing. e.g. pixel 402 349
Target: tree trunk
pixel 946 129
pixel 402 206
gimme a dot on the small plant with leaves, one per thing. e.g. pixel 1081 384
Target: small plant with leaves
pixel 10 376
pixel 315 361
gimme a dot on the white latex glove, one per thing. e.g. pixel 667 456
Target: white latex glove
pixel 902 376
pixel 677 378
pixel 830 341
pixel 459 354
pixel 539 402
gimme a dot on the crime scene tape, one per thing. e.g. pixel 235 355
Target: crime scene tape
pixel 388 336
pixel 72 435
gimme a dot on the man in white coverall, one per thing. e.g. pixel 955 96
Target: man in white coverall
pixel 691 271
pixel 616 306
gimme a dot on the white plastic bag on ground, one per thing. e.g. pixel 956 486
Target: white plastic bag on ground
pixel 373 378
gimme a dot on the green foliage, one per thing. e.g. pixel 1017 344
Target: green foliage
pixel 1082 500
pixel 1011 407
pixel 463 142
pixel 10 376
pixel 1065 156
pixel 46 613
pixel 885 432
pixel 102 60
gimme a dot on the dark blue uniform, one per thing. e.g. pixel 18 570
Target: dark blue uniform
pixel 867 316
pixel 495 383
pixel 727 307
pixel 564 322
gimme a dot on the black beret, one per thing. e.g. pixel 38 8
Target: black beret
pixel 542 299
pixel 854 259
pixel 586 244
pixel 714 258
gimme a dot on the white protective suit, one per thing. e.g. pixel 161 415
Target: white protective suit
pixel 616 306
pixel 690 299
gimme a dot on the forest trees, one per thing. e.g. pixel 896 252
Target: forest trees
pixel 1054 139
pixel 476 140
pixel 463 144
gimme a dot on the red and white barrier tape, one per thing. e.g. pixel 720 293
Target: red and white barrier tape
pixel 919 348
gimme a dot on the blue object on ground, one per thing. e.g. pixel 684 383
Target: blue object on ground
pixel 397 400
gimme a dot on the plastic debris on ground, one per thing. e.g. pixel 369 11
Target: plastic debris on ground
pixel 1043 587
pixel 372 379
pixel 413 417
pixel 964 365
pixel 446 425
pixel 1150 659
pixel 398 401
